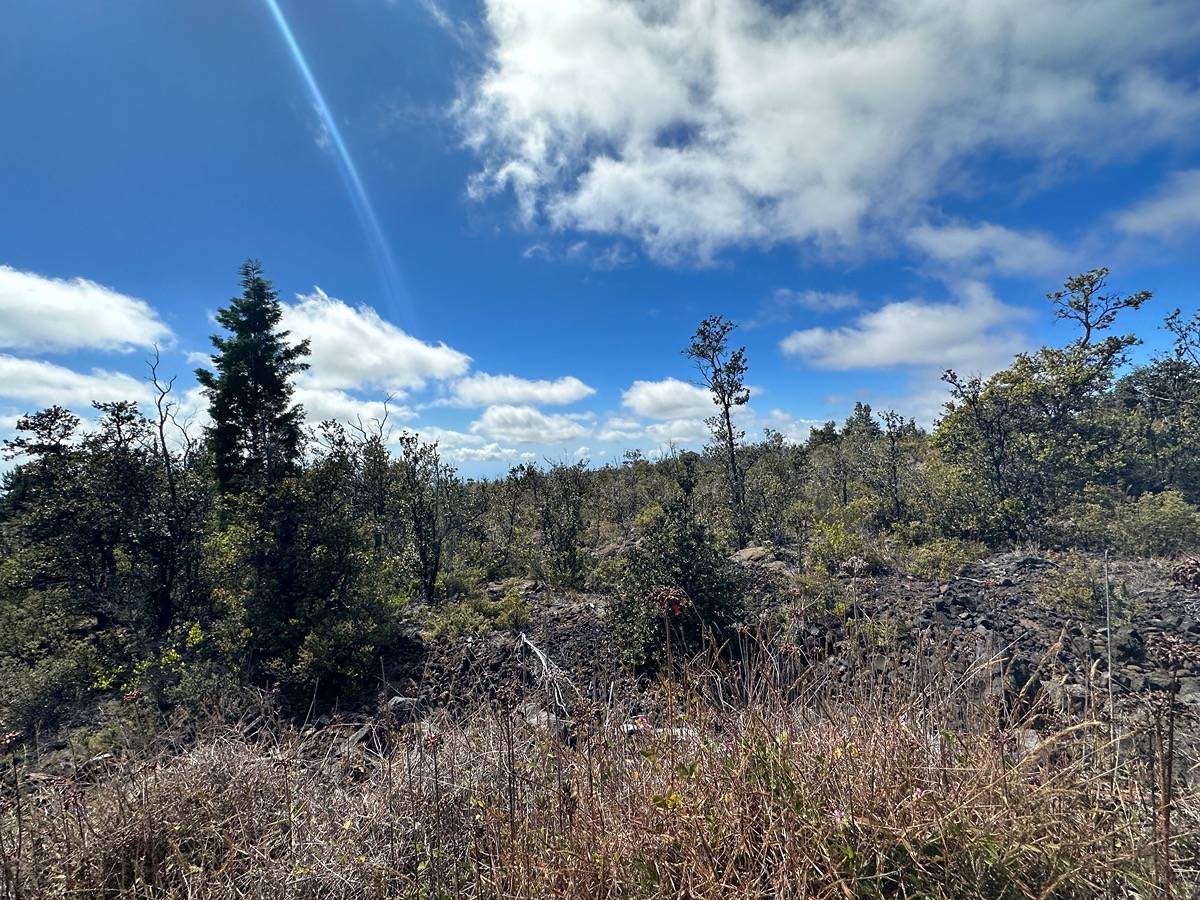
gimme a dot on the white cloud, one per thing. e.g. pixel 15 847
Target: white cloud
pixel 620 430
pixel 323 404
pixel 678 431
pixel 40 313
pixel 492 452
pixel 487 390
pixel 793 429
pixel 816 301
pixel 974 332
pixel 668 399
pixel 1172 210
pixel 755 124
pixel 784 302
pixel 526 425
pixel 39 384
pixel 990 248
pixel 354 348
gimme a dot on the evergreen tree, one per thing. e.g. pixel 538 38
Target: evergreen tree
pixel 255 435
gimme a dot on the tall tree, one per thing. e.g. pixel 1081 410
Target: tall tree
pixel 1084 300
pixel 256 433
pixel 724 373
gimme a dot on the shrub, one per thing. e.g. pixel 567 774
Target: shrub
pixel 1075 587
pixel 834 547
pixel 818 593
pixel 1086 524
pixel 1157 525
pixel 943 558
pixel 475 616
pixel 676 554
pixel 459 583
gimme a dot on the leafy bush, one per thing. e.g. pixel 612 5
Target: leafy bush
pixel 834 547
pixel 476 615
pixel 1163 524
pixel 942 559
pixel 676 578
pixel 1076 588
pixel 459 583
pixel 817 593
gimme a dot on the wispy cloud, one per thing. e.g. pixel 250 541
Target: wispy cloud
pixel 1173 211
pixel 867 111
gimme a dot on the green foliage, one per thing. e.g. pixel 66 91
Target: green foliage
pixel 1162 524
pixel 723 371
pixel 134 559
pixel 299 569
pixel 256 433
pixel 835 547
pixel 560 516
pixel 941 559
pixel 1075 587
pixel 816 593
pixel 677 587
pixel 476 615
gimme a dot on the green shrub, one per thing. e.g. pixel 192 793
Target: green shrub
pixel 476 615
pixel 1075 587
pixel 1157 525
pixel 1085 525
pixel 834 547
pixel 459 583
pixel 942 559
pixel 607 574
pixel 1162 524
pixel 674 576
pixel 819 594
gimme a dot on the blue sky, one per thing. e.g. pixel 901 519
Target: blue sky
pixel 560 191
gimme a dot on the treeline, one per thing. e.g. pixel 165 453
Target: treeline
pixel 139 559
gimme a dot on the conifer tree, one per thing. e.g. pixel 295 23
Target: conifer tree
pixel 256 430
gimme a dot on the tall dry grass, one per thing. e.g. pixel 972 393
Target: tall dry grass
pixel 742 782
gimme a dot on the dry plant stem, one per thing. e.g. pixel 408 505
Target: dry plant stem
pixel 766 785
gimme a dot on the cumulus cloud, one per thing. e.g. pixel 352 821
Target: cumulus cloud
pixel 492 452
pixel 56 314
pixel 487 390
pixel 323 404
pixel 678 431
pixel 668 399
pixel 869 110
pixel 986 247
pixel 618 429
pixel 526 425
pixel 39 384
pixel 974 331
pixel 792 428
pixel 354 348
pixel 1174 209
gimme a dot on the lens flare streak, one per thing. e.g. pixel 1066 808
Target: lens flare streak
pixel 373 232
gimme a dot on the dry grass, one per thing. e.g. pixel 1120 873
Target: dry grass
pixel 743 790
